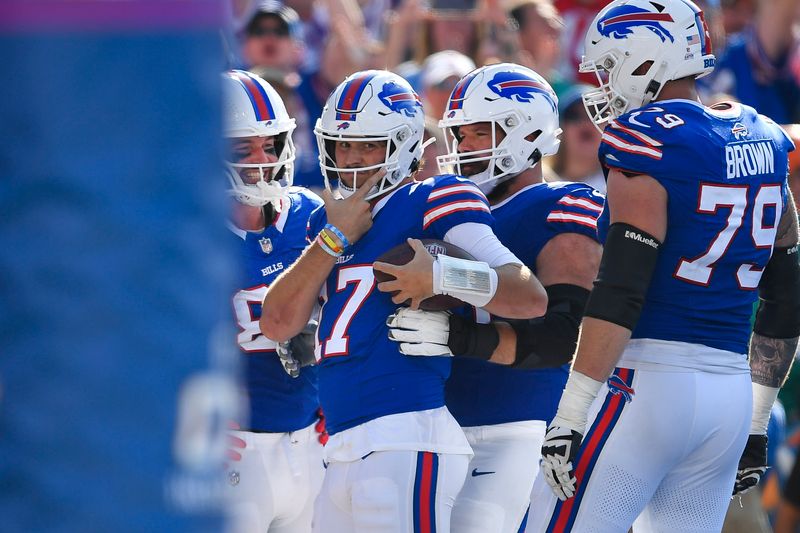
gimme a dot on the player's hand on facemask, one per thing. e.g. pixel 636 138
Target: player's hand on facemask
pixel 752 464
pixel 420 332
pixel 413 281
pixel 352 215
pixel 559 449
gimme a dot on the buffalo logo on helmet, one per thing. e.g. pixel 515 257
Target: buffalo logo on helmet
pixel 451 114
pixel 399 99
pixel 616 386
pixel 519 87
pixel 620 21
pixel 343 126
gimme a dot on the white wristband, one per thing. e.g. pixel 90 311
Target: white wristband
pixel 473 282
pixel 763 398
pixel 573 409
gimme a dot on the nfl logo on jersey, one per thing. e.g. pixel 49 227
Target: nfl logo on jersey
pixel 266 245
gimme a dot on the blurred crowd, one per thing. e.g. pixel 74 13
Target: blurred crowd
pixel 304 48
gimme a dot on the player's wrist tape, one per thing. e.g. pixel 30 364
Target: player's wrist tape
pixel 573 409
pixel 342 239
pixel 778 314
pixel 629 259
pixel 330 246
pixel 472 282
pixel 763 398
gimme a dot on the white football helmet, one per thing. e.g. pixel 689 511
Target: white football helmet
pixel 377 106
pixel 252 108
pixel 668 39
pixel 513 98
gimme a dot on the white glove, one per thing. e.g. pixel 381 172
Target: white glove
pixel 420 332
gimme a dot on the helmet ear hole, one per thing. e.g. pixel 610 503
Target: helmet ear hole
pixel 642 69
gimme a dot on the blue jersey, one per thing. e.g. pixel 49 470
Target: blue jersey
pixel 724 170
pixel 480 393
pixel 362 374
pixel 278 402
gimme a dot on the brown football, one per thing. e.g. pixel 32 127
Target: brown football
pixel 403 253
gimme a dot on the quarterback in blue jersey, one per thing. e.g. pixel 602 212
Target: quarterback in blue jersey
pixel 701 226
pixel 501 120
pixel 275 478
pixel 396 457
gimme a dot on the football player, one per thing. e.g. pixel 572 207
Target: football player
pixel 277 466
pixel 659 408
pixel 501 120
pixel 396 457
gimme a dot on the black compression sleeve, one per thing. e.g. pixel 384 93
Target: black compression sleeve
pixel 778 315
pixel 470 339
pixel 629 258
pixel 550 340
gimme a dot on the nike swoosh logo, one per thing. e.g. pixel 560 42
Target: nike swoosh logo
pixel 475 473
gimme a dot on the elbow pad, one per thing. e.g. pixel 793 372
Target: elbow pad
pixel 778 314
pixel 549 341
pixel 629 259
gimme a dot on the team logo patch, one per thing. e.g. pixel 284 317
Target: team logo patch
pixel 520 88
pixel 616 385
pixel 266 245
pixel 739 130
pixel 620 21
pixel 343 126
pixel 233 478
pixel 399 99
pixel 451 114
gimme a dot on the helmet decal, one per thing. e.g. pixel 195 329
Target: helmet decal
pixel 518 87
pixel 399 99
pixel 460 91
pixel 620 21
pixel 258 96
pixel 347 106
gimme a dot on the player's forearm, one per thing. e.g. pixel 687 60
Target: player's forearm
pixel 519 294
pixel 771 359
pixel 290 300
pixel 600 346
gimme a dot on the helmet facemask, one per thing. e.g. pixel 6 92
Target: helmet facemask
pixel 268 184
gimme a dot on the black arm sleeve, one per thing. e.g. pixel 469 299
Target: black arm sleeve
pixel 778 315
pixel 629 259
pixel 550 340
pixel 543 342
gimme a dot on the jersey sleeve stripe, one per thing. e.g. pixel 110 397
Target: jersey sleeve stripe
pixel 455 189
pixel 572 218
pixel 619 144
pixel 453 207
pixel 585 203
pixel 636 134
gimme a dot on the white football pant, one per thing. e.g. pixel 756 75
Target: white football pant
pixel 497 491
pixel 390 492
pixel 666 452
pixel 273 488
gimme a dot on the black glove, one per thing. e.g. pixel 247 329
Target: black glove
pixel 752 465
pixel 298 351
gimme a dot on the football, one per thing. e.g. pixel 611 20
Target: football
pixel 403 253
